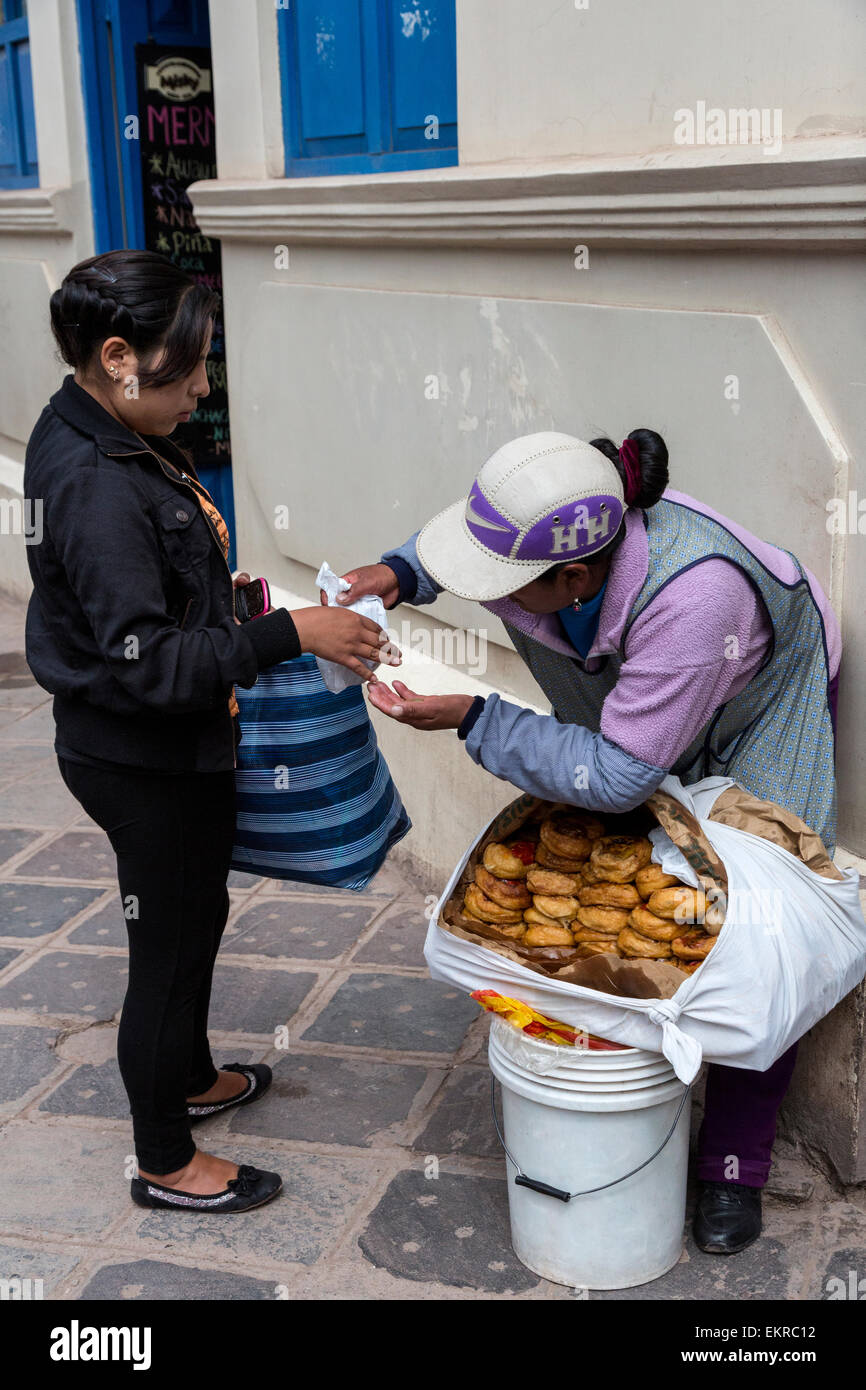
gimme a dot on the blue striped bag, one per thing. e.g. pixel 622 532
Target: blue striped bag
pixel 315 799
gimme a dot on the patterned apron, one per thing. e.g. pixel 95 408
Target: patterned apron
pixel 776 736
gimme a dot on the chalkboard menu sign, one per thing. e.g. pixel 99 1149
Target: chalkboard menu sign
pixel 178 146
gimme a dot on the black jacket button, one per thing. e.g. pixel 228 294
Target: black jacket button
pixel 183 516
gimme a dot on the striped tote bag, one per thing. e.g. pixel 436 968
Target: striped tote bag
pixel 315 799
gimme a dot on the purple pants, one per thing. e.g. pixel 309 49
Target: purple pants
pixel 736 1138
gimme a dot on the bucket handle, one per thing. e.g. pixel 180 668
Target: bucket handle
pixel 560 1193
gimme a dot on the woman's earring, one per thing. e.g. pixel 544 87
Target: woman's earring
pixel 577 605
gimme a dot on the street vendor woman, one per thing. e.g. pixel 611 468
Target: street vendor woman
pixel 667 639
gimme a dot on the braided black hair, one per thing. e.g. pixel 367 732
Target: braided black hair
pixel 140 296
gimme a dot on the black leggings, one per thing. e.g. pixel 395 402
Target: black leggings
pixel 172 836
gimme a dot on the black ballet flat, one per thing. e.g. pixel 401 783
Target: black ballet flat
pixel 251 1188
pixel 727 1218
pixel 259 1077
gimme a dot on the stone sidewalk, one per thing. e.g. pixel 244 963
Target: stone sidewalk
pixel 380 1084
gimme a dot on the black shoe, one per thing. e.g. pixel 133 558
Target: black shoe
pixel 251 1188
pixel 259 1078
pixel 727 1217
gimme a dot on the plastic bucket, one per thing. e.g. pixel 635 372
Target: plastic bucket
pixel 575 1119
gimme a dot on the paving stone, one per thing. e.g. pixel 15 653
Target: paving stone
pixel 34 727
pixel 333 1100
pixel 107 927
pixel 397 940
pixel 7 955
pixel 255 1001
pixel 449 1230
pixel 64 984
pixel 395 1012
pixel 461 1122
pixel 98 1089
pixel 12 842
pixel 78 854
pixel 26 695
pixel 18 759
pixel 38 909
pixel 38 800
pixel 158 1282
pixel 17 1262
pixel 844 1277
pixel 243 883
pixel 763 1270
pixel 26 1059
pixel 292 927
pixel 74 1181
pixel 320 1196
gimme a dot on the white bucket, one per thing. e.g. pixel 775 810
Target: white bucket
pixel 576 1119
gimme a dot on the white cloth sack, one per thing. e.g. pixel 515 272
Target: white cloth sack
pixel 335 676
pixel 792 946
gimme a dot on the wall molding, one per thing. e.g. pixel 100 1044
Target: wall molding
pixel 812 196
pixel 36 211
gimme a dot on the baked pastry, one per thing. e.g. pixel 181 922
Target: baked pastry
pixel 554 881
pixel 548 936
pixel 534 918
pixel 567 834
pixel 632 943
pixel 597 948
pixel 609 895
pixel 591 933
pixel 606 919
pixel 515 933
pixel 651 877
pixel 693 945
pixel 688 967
pixel 509 860
pixel 618 857
pixel 656 928
pixel 488 911
pixel 591 875
pixel 507 892
pixel 682 904
pixel 548 860
pixel 557 906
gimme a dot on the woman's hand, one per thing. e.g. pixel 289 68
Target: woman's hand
pixel 346 638
pixel 240 580
pixel 379 580
pixel 421 711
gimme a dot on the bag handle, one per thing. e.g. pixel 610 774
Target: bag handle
pixel 560 1193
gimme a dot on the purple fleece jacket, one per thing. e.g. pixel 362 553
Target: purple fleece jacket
pixel 695 646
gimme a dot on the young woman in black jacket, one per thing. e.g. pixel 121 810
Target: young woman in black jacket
pixel 131 626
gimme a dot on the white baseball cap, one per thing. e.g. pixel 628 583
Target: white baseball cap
pixel 540 500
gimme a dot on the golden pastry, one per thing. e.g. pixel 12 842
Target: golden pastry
pixel 591 933
pixel 688 967
pixel 683 904
pixel 567 834
pixel 548 860
pixel 534 918
pixel 481 906
pixel 503 862
pixel 618 857
pixel 552 881
pixel 597 948
pixel 656 928
pixel 633 943
pixel 556 906
pixel 507 892
pixel 651 877
pixel 517 932
pixel 548 936
pixel 609 895
pixel 693 945
pixel 590 875
pixel 606 919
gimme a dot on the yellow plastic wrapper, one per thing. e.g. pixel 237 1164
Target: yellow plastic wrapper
pixel 536 1025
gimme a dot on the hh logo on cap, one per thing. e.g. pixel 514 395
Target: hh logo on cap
pixel 567 539
pixel 594 521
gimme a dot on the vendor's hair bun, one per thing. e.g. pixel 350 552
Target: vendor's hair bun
pixel 653 455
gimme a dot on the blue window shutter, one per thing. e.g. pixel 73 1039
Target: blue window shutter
pixel 18 160
pixel 360 80
pixel 423 74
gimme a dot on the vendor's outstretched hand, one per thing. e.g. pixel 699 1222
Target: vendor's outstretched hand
pixel 421 711
pixel 379 580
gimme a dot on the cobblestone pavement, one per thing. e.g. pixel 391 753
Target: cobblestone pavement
pixel 384 1072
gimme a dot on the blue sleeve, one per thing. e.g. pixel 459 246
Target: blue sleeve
pixel 559 762
pixel 416 585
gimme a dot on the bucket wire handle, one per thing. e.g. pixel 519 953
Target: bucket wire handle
pixel 559 1192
